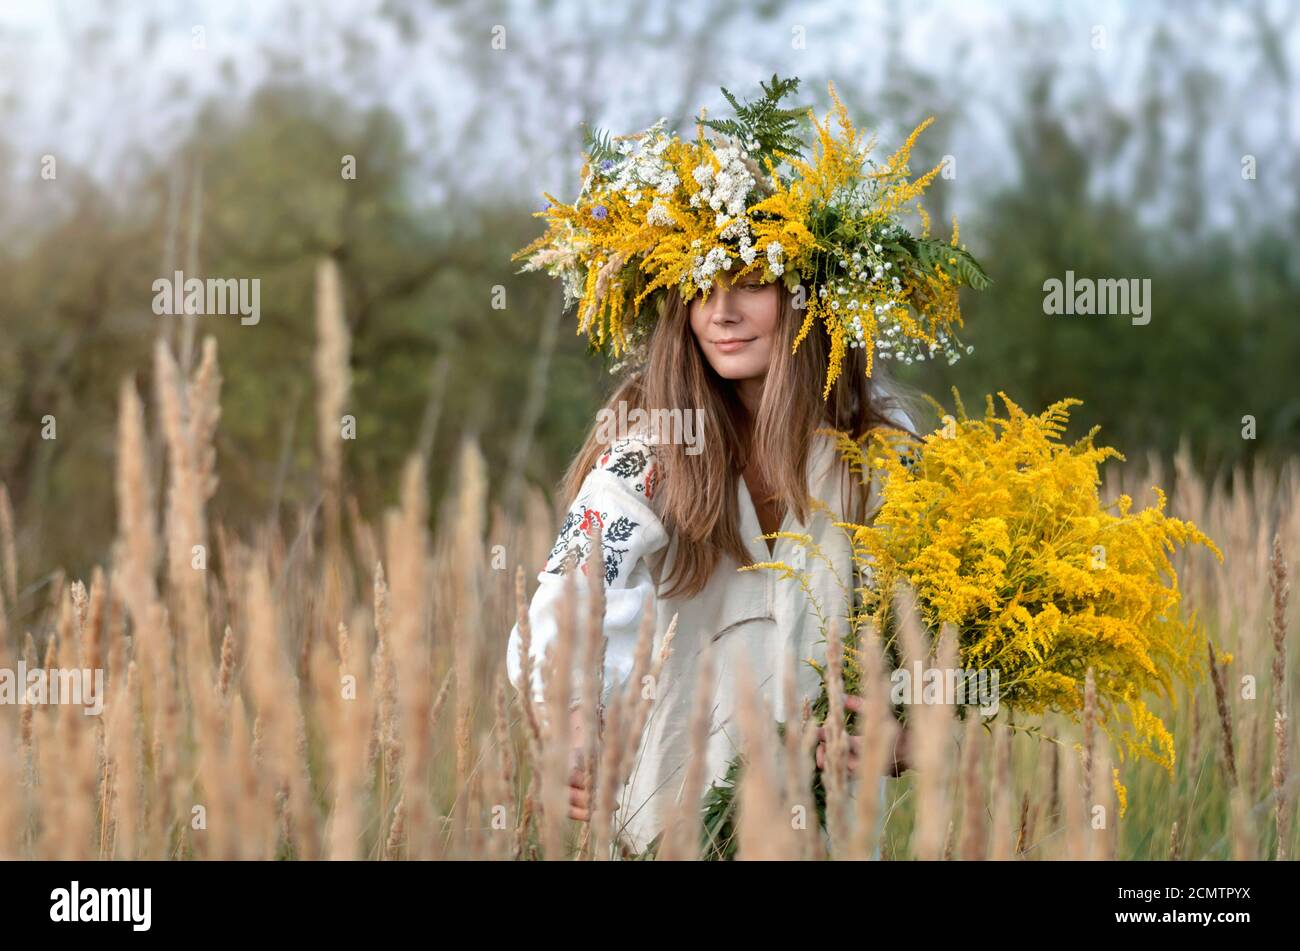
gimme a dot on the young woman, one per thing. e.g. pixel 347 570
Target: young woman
pixel 679 520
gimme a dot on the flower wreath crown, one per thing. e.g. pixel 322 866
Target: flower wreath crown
pixel 656 211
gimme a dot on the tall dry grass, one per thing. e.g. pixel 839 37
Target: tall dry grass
pixel 334 687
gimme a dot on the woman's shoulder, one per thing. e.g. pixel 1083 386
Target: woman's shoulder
pixel 891 419
pixel 632 460
pixel 618 497
pixel 898 418
pixel 894 414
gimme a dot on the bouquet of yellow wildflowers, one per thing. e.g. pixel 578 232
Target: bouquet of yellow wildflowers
pixel 655 211
pixel 998 526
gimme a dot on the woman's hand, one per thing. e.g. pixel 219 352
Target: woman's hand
pixel 580 802
pixel 893 768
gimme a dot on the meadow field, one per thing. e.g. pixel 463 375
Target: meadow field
pixel 337 690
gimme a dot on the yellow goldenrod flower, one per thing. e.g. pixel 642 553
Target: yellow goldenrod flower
pixel 1000 530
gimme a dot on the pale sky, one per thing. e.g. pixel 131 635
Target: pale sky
pixel 82 80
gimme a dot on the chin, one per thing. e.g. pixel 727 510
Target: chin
pixel 737 370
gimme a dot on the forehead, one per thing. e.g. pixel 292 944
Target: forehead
pixel 728 278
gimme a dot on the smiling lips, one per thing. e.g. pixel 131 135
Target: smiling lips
pixel 732 344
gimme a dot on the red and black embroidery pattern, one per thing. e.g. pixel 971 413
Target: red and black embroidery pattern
pixel 576 532
pixel 651 481
pixel 633 462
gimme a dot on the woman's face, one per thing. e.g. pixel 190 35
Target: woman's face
pixel 736 327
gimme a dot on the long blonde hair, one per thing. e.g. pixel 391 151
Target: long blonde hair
pixel 698 493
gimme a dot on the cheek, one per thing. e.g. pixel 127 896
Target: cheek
pixel 763 352
pixel 699 323
pixel 764 315
pixel 761 319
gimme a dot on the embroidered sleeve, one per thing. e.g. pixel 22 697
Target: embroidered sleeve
pixel 618 497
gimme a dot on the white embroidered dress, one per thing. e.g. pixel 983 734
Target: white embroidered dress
pixel 756 614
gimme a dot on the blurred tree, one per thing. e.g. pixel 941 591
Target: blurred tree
pixel 1128 165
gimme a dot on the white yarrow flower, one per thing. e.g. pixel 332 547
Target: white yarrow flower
pixel 658 214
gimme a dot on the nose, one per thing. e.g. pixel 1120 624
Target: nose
pixel 719 309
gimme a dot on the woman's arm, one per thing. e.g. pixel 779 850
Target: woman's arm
pixel 618 496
